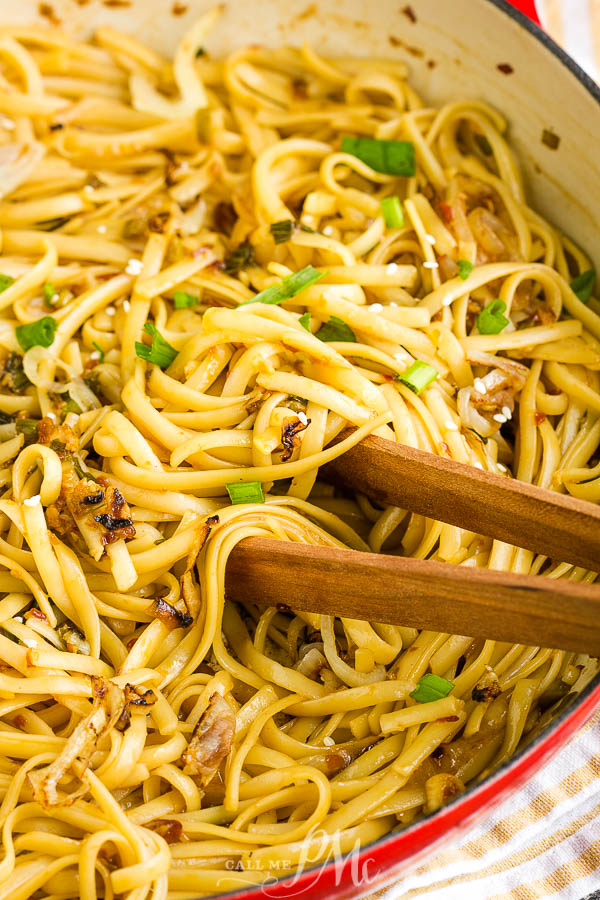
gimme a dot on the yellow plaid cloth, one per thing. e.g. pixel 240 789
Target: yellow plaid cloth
pixel 542 842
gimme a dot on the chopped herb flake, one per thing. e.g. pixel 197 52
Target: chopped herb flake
pixel 491 319
pixel 241 257
pixel 431 687
pixel 464 269
pixel 99 350
pixel 389 157
pixel 335 329
pixel 248 492
pixel 288 287
pixel 305 320
pixel 161 353
pixel 37 334
pixel 583 285
pixel 418 376
pixel 5 282
pixel 182 300
pixel 391 207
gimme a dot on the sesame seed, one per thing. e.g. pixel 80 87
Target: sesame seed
pixel 110 311
pixel 328 230
pixel 8 124
pixel 328 742
pixel 52 416
pixel 54 298
pixel 501 467
pixel 19 619
pixel 88 189
pixel 33 501
pixel 448 300
pixel 394 304
pixel 134 267
pixel 95 354
pixel 376 307
pixel 391 268
pixel 499 418
pixel 126 305
pixel 184 166
pixel 451 426
pixel 507 411
pixel 101 229
pixel 430 238
pixel 430 265
pixel 479 386
pixel 302 417
pixel 477 464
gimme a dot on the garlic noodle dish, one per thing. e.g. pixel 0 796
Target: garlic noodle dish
pixel 209 268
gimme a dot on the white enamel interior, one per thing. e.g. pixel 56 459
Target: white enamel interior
pixel 466 39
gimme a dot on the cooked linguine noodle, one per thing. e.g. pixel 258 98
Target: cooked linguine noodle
pixel 159 740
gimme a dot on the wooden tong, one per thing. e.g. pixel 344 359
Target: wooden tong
pixel 531 610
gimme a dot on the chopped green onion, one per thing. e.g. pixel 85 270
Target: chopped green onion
pixel 336 330
pixel 242 256
pixel 5 282
pixel 29 428
pixel 391 207
pixel 431 687
pixel 418 376
pixel 389 157
pixel 289 287
pixel 200 52
pixel 49 292
pixel 305 320
pixel 182 300
pixel 248 492
pixel 583 285
pixel 161 353
pixel 36 334
pixel 464 269
pixel 491 319
pixel 282 231
pixel 71 406
pixel 99 349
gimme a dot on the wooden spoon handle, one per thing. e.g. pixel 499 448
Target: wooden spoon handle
pixel 556 525
pixel 481 603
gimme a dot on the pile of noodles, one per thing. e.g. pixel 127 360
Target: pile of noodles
pixel 156 739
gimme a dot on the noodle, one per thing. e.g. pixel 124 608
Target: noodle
pixel 155 737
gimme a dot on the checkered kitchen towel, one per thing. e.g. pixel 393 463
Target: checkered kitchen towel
pixel 545 840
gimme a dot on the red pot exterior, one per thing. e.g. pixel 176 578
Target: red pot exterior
pixel 527 7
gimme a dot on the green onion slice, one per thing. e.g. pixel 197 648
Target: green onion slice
pixel 161 353
pixel 288 287
pixel 336 330
pixel 431 687
pixel 37 334
pixel 49 292
pixel 183 300
pixel 464 269
pixel 305 320
pixel 5 282
pixel 389 157
pixel 583 285
pixel 391 207
pixel 491 319
pixel 242 256
pixel 282 231
pixel 99 349
pixel 248 492
pixel 418 376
